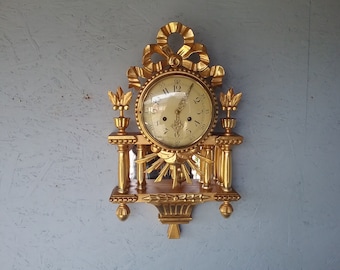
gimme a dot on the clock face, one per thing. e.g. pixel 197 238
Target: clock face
pixel 176 110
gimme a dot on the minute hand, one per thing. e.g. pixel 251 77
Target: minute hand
pixel 182 103
pixel 178 125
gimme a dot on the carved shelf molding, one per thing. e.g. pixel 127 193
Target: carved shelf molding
pixel 174 205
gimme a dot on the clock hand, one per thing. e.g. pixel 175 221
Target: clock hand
pixel 178 125
pixel 182 103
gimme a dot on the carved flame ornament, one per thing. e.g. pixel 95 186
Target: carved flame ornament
pixel 180 161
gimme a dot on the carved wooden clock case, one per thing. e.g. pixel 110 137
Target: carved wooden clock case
pixel 176 112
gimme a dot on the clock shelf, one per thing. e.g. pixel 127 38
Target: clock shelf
pixel 175 205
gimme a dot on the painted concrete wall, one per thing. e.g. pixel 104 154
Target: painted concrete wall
pixel 57 61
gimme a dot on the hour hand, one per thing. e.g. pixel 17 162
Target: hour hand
pixel 177 125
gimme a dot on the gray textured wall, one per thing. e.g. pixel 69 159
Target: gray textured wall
pixel 57 61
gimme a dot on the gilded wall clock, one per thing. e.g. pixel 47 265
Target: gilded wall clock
pixel 176 112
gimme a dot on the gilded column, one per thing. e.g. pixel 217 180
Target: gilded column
pixel 141 167
pixel 226 166
pixel 217 163
pixel 120 101
pixel 202 165
pixel 208 166
pixel 229 102
pixel 123 168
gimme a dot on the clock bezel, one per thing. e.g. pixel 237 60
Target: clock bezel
pixel 143 93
